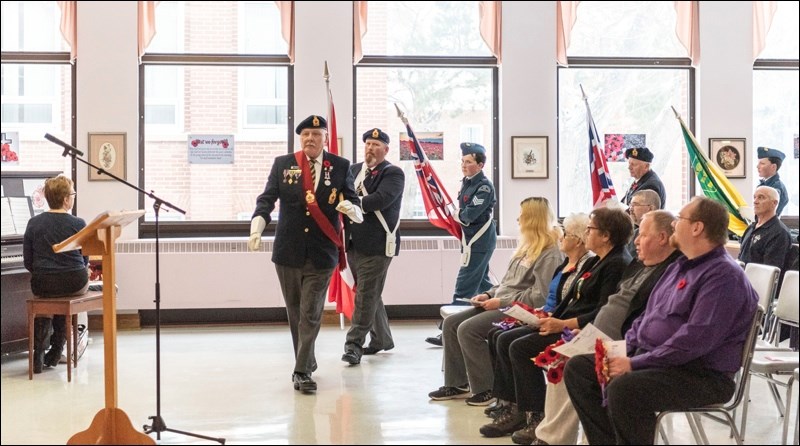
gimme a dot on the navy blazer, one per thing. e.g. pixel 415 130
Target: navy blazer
pixel 297 236
pixel 384 188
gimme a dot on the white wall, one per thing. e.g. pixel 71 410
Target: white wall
pixel 107 91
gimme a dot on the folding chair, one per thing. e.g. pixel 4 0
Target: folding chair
pixel 764 279
pixel 779 361
pixel 723 409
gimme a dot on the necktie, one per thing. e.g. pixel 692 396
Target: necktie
pixel 313 168
pixel 367 175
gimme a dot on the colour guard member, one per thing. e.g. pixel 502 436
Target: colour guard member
pixel 639 159
pixel 769 162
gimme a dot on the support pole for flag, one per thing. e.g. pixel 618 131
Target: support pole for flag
pixel 336 151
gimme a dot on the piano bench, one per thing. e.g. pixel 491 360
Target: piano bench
pixel 68 306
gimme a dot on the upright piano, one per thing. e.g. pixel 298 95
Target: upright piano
pixel 19 188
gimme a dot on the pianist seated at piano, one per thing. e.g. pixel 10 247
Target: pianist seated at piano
pixel 53 274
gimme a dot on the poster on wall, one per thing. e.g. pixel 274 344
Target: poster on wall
pixel 617 143
pixel 10 156
pixel 210 149
pixel 431 142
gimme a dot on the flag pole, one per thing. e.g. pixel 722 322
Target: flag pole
pixel 400 114
pixel 326 74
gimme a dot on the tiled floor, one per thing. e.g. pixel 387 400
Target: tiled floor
pixel 235 383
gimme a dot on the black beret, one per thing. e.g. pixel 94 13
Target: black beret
pixel 312 122
pixel 471 148
pixel 640 153
pixel 375 133
pixel 766 152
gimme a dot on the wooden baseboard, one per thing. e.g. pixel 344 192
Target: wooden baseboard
pixel 126 321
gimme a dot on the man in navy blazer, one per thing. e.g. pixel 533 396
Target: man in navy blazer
pixel 312 185
pixel 372 244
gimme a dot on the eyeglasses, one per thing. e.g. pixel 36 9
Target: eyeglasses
pixel 690 220
pixel 589 228
pixel 73 194
pixel 568 234
pixel 633 205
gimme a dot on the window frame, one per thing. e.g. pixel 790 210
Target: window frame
pixel 412 227
pixel 627 63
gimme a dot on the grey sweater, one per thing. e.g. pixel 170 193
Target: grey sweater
pixel 528 282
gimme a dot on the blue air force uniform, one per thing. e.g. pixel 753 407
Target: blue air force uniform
pixel 775 180
pixel 476 200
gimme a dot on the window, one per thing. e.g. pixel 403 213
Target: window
pixel 430 60
pixel 631 80
pixel 776 99
pixel 37 96
pixel 219 71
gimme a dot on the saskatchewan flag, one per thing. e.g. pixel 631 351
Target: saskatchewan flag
pixel 714 183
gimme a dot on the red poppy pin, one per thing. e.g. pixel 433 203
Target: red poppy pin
pixel 326 163
pixel 681 284
pixel 586 275
pixel 374 173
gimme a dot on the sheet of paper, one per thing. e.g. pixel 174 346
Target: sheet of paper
pixel 20 212
pixel 617 349
pixel 522 315
pixel 8 220
pixel 583 342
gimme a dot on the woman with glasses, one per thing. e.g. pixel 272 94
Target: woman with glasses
pixel 53 274
pixel 467 360
pixel 520 382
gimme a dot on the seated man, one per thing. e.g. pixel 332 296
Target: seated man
pixel 643 201
pixel 689 338
pixel 767 240
pixel 560 424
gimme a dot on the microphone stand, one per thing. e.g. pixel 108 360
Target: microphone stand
pixel 158 425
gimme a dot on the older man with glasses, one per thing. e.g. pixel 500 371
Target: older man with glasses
pixel 642 202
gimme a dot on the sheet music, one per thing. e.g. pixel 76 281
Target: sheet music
pixel 522 315
pixel 583 343
pixel 8 221
pixel 21 212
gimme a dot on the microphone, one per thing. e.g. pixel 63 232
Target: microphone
pixel 67 148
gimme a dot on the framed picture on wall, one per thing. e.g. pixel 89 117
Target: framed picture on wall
pixel 107 151
pixel 529 157
pixel 729 154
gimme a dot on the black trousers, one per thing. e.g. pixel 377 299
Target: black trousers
pixel 635 398
pixel 504 387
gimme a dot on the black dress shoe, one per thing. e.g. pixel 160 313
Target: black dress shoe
pixel 303 382
pixel 435 340
pixel 351 358
pixel 373 350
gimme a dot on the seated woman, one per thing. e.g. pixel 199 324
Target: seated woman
pixel 518 381
pixel 467 364
pixel 571 242
pixel 53 274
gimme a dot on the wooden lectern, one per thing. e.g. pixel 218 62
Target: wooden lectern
pixel 111 425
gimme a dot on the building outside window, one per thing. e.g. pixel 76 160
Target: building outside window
pixel 214 71
pixel 429 59
pixel 36 87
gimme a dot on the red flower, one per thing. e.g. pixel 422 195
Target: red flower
pixel 374 173
pixel 556 374
pixel 541 361
pixel 326 163
pixel 586 275
pixel 681 284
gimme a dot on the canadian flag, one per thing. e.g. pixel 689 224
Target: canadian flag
pixel 342 289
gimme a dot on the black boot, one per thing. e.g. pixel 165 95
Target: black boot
pixel 41 339
pixel 57 341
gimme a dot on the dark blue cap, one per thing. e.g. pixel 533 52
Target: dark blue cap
pixel 766 152
pixel 640 153
pixel 312 122
pixel 471 148
pixel 375 133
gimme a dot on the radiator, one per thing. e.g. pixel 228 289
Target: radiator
pixel 209 273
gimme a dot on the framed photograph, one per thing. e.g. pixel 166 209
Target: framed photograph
pixel 729 154
pixel 107 151
pixel 529 157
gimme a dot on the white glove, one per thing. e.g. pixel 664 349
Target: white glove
pixel 352 211
pixel 257 226
pixel 747 212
